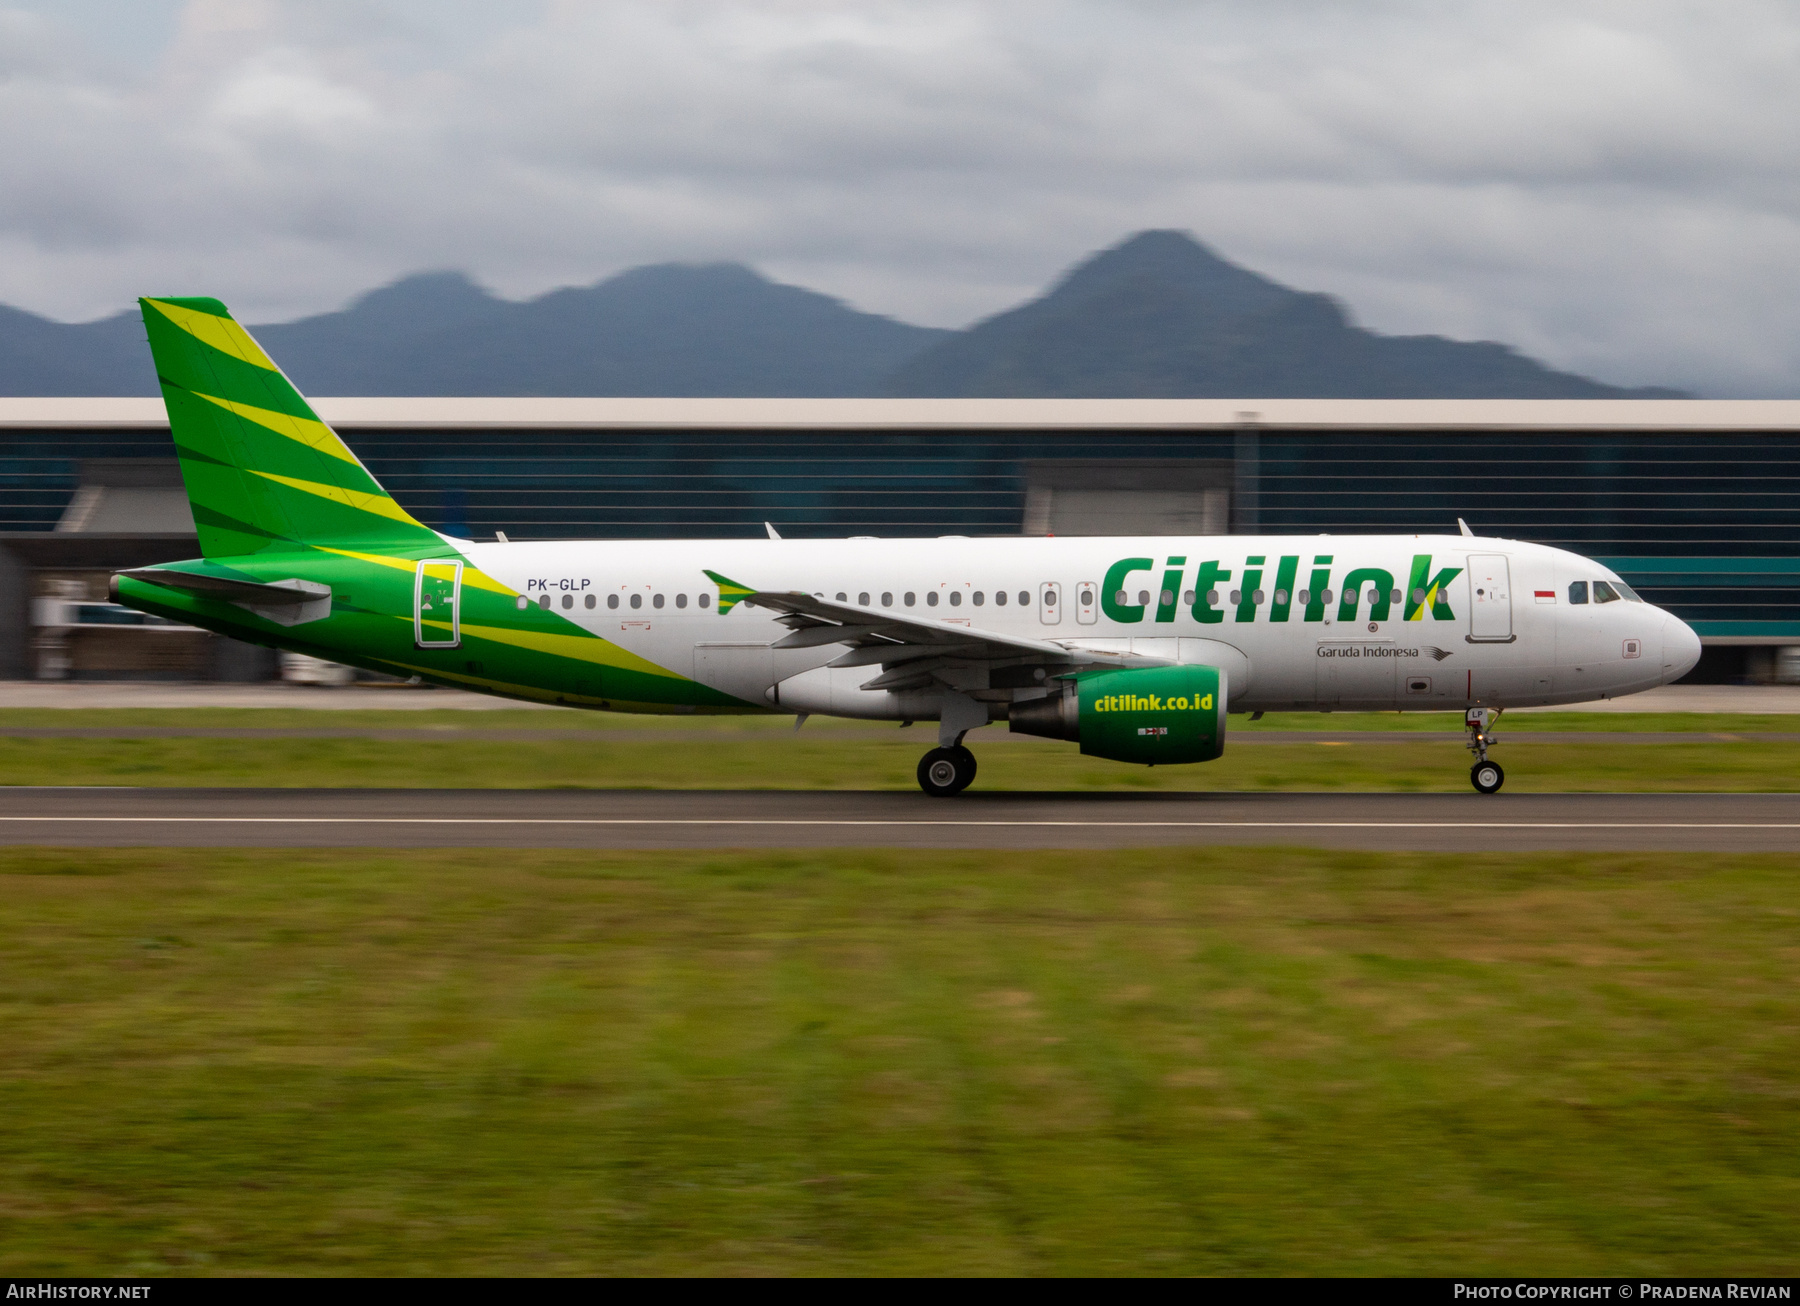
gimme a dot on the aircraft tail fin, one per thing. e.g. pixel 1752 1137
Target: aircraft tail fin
pixel 262 471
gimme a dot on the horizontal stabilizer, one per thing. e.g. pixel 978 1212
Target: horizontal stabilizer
pixel 276 594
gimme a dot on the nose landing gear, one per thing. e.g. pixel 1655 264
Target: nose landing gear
pixel 945 772
pixel 1486 776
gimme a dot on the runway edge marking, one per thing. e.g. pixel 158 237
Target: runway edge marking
pixel 1073 825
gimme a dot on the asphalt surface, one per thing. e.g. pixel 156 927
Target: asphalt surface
pixel 397 697
pixel 490 818
pixel 1238 738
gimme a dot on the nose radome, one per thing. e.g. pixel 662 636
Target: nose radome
pixel 1681 649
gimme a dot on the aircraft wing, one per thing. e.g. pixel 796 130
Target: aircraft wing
pixel 912 650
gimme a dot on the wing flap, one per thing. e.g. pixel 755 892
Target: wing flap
pixel 911 636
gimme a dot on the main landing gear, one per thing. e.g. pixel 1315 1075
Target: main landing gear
pixel 944 772
pixel 1486 776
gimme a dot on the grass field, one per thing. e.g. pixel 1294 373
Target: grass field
pixel 1213 1061
pixel 601 750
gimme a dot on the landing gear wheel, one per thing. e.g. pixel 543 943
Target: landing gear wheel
pixel 945 772
pixel 1487 777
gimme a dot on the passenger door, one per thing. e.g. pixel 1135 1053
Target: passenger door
pixel 437 604
pixel 1490 599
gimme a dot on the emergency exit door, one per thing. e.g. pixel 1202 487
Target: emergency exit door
pixel 437 601
pixel 1490 599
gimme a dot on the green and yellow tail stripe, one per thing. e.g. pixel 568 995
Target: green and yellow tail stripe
pixel 263 473
pixel 215 329
pixel 472 579
pixel 312 434
pixel 379 504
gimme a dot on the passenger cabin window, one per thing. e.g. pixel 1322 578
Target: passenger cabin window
pixel 887 599
pixel 955 598
pixel 544 601
pixel 568 600
pixel 657 601
pixel 705 600
pixel 1578 591
pixel 612 600
pixel 588 602
pixel 1000 598
pixel 1604 593
pixel 681 600
pixel 910 598
pixel 637 600
pixel 931 598
pixel 1024 598
pixel 863 598
pixel 978 598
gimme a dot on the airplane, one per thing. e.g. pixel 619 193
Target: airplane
pixel 1134 648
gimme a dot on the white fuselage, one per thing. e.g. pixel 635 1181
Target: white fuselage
pixel 1477 622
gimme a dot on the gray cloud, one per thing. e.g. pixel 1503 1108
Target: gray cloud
pixel 1610 186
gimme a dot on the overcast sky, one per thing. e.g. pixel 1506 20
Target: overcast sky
pixel 1612 187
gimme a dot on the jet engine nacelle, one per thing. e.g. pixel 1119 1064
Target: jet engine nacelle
pixel 1151 715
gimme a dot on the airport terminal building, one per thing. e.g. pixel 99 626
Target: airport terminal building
pixel 1695 502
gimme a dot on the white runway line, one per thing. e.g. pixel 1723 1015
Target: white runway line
pixel 1072 825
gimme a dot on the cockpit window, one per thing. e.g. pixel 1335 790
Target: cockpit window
pixel 1604 593
pixel 1578 591
pixel 1626 592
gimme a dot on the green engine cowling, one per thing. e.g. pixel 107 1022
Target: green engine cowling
pixel 1153 715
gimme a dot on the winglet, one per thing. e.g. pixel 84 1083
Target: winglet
pixel 770 527
pixel 1463 526
pixel 730 592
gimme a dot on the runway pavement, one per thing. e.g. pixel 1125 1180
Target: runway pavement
pixel 389 697
pixel 610 819
pixel 699 735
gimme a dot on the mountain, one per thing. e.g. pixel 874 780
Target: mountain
pixel 41 357
pixel 669 329
pixel 1159 315
pixel 1163 316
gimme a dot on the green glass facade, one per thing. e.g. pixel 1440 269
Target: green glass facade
pixel 1706 523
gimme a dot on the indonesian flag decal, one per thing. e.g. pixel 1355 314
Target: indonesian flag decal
pixel 1545 596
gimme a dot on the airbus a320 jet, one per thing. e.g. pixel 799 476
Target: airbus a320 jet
pixel 1133 648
